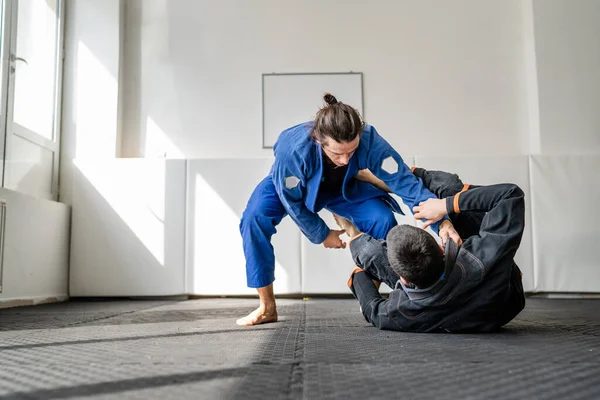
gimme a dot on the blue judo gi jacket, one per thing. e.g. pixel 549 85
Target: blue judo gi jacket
pixel 298 170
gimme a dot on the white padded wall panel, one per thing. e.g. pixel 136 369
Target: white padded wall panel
pixel 326 271
pixel 566 223
pixel 36 249
pixel 218 190
pixel 128 228
pixel 488 170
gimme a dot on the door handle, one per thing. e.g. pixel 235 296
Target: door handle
pixel 14 58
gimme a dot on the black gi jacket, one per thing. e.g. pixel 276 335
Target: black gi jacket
pixel 481 288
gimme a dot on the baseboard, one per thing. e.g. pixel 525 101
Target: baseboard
pixel 564 295
pixel 182 297
pixel 32 301
pixel 303 296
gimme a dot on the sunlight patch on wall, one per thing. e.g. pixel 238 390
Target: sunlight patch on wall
pixel 96 104
pixel 158 144
pixel 136 192
pixel 217 244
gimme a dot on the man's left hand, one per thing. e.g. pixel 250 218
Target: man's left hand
pixel 447 231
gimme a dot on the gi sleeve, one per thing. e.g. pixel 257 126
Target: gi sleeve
pixel 386 164
pixel 440 183
pixel 290 184
pixel 378 311
pixel 502 226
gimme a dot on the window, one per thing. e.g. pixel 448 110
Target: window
pixel 30 93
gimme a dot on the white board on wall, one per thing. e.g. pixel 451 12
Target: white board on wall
pixel 290 99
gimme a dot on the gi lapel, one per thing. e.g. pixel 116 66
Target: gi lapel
pixel 313 183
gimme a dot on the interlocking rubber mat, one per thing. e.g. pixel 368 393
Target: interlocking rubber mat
pixel 320 349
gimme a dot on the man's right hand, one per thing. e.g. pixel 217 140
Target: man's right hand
pixel 333 240
pixel 432 210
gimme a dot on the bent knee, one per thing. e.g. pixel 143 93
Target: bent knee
pixel 387 219
pixel 382 223
pixel 369 251
pixel 252 216
pixel 258 216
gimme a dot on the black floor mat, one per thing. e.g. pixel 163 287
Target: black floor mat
pixel 320 349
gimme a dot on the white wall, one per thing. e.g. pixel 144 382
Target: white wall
pixel 498 79
pixel 440 77
pixel 217 193
pixel 36 250
pixel 566 242
pixel 128 229
pixel 568 66
pixel 90 85
pixel 36 264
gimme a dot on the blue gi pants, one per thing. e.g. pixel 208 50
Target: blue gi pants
pixel 264 212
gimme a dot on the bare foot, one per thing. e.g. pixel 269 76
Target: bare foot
pixel 258 316
pixel 346 225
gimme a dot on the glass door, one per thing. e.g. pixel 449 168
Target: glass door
pixel 32 123
pixel 4 65
pixel 4 74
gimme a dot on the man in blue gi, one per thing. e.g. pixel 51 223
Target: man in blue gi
pixel 473 288
pixel 315 165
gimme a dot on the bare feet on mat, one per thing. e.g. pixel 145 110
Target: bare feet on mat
pixel 259 316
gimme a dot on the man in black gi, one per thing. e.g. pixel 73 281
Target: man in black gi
pixel 473 288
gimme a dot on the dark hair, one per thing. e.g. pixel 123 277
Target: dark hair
pixel 337 121
pixel 415 255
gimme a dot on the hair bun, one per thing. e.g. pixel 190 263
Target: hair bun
pixel 330 99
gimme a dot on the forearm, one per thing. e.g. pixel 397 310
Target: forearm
pixel 315 230
pixel 374 307
pixel 440 183
pixel 388 167
pixel 481 198
pixel 311 224
pixel 367 294
pixel 368 177
pixel 502 227
pixel 412 191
